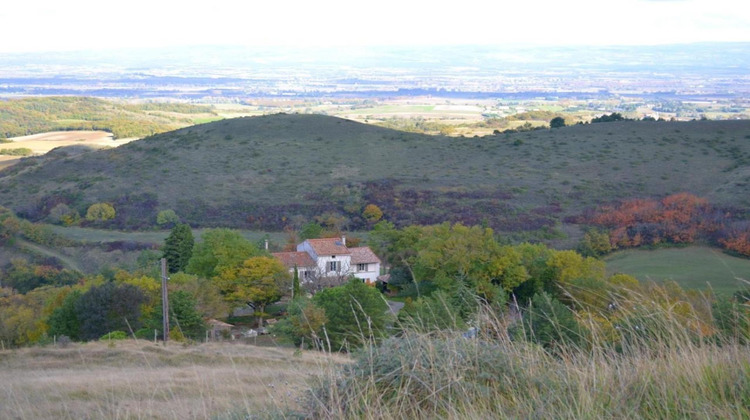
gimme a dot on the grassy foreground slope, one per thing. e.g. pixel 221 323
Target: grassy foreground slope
pixel 137 379
pixel 439 375
pixel 271 171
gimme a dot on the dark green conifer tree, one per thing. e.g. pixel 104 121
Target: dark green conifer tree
pixel 178 247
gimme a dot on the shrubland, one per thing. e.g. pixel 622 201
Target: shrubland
pixel 277 172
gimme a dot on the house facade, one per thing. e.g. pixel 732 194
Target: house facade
pixel 331 258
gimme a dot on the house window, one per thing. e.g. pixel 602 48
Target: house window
pixel 333 266
pixel 307 274
pixel 362 267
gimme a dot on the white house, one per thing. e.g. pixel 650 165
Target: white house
pixel 331 258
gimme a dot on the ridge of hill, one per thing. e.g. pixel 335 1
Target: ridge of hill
pixel 272 171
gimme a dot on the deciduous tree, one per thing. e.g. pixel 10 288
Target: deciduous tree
pixel 100 212
pixel 356 313
pixel 372 213
pixel 557 122
pixel 109 307
pixel 219 249
pixel 258 281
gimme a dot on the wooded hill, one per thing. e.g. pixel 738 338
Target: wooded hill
pixel 282 170
pixel 20 117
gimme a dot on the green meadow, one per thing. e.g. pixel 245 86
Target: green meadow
pixel 691 267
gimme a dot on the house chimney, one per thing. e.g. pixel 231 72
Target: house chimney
pixel 266 244
pixel 343 239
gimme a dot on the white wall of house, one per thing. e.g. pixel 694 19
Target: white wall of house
pixel 369 274
pixel 343 265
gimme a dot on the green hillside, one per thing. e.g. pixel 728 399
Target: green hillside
pixel 273 171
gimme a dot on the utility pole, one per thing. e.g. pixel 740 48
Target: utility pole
pixel 164 300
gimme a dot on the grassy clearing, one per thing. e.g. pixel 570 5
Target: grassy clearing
pixel 691 267
pixel 203 120
pixel 136 379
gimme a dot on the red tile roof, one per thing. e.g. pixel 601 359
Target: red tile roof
pixel 363 254
pixel 290 259
pixel 328 246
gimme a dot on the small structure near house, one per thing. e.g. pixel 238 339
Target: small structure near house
pixel 325 258
pixel 218 330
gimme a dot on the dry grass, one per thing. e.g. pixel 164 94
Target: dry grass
pixel 137 379
pixel 666 373
pixel 657 366
pixel 44 142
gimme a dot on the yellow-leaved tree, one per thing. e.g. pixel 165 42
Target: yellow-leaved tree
pixel 100 212
pixel 258 281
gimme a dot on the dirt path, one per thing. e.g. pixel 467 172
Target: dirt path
pixel 67 261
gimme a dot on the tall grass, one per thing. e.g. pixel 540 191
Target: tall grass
pixel 654 364
pixel 638 361
pixel 134 379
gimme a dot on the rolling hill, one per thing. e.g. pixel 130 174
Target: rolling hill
pixel 273 171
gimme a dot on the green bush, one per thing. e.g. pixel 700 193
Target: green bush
pixel 167 218
pixel 356 314
pixel 114 335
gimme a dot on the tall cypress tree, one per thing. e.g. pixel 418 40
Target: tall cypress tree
pixel 178 247
pixel 295 284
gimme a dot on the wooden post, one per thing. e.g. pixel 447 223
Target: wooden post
pixel 164 300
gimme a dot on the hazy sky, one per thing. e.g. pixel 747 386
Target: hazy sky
pixel 53 25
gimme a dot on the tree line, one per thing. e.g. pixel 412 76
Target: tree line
pixel 681 218
pixel 448 276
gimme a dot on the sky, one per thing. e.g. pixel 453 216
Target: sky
pixel 74 25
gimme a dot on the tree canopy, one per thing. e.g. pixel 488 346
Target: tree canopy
pixel 356 313
pixel 557 122
pixel 219 249
pixel 258 281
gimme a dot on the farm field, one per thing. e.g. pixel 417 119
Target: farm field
pixel 692 267
pixel 138 379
